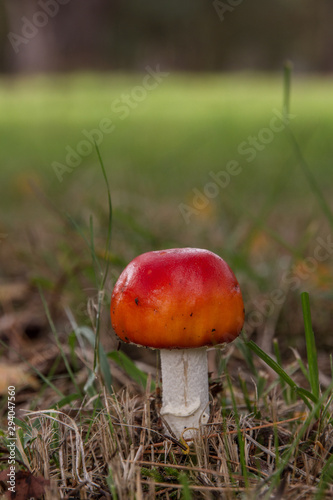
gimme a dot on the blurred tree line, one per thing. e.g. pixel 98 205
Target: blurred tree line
pixel 189 35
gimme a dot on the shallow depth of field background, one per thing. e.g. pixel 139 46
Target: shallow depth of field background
pixel 222 85
pixel 204 145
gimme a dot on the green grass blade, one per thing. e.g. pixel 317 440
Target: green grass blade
pixel 247 354
pixel 277 353
pixel 55 333
pixel 288 454
pixel 240 435
pixel 300 391
pixel 92 249
pixel 87 242
pixel 301 364
pixel 86 333
pixel 326 479
pixel 111 484
pixel 65 401
pixel 310 346
pixel 108 239
pixel 186 492
pixel 22 424
pixel 326 410
pixel 287 70
pixel 245 392
pixel 130 368
pixel 304 395
pixel 102 285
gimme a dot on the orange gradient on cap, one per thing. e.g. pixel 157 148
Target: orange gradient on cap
pixel 178 298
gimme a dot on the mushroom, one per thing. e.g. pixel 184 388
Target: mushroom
pixel 179 301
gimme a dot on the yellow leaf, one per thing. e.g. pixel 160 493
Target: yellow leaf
pixel 17 376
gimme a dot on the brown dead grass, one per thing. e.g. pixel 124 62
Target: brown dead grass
pixel 119 449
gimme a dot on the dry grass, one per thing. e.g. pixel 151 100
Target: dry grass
pixel 261 442
pixel 116 447
pixel 266 445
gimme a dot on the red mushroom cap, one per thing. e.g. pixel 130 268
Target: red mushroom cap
pixel 177 298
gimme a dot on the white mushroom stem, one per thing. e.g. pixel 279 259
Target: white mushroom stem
pixel 185 399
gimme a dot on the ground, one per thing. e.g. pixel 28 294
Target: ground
pixel 200 161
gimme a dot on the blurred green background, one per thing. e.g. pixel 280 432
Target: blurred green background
pixel 220 86
pixel 167 144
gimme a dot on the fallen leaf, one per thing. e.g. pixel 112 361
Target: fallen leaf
pixel 13 291
pixel 17 376
pixel 26 485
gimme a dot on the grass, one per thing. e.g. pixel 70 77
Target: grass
pixel 115 444
pixel 90 427
pixel 186 128
pixel 213 115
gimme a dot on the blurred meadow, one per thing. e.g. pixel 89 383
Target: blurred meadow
pixel 138 126
pixel 159 158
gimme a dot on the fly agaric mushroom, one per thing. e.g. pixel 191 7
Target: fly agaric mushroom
pixel 179 301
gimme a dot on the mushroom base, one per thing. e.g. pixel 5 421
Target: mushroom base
pixel 185 398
